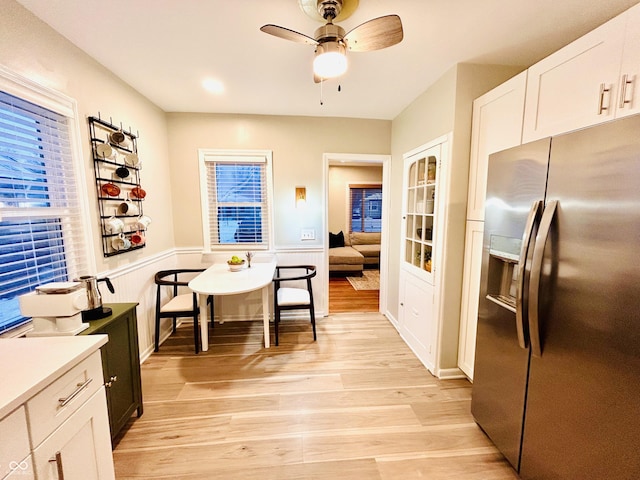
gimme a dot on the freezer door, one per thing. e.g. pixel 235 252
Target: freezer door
pixel 583 407
pixel 516 181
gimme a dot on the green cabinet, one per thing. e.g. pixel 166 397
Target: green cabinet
pixel 120 363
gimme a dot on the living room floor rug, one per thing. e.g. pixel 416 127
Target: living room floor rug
pixel 370 280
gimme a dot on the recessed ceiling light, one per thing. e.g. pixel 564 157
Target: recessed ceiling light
pixel 212 85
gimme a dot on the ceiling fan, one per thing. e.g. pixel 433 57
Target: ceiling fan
pixel 332 42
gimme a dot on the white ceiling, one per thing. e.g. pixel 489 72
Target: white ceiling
pixel 165 48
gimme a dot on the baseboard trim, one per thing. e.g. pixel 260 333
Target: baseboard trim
pixel 450 374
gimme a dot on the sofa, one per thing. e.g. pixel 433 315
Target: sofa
pixel 350 254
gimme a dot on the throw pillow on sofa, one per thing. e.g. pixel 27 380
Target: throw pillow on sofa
pixel 336 239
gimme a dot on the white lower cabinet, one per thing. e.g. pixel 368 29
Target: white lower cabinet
pixel 55 423
pixel 417 320
pixel 470 296
pixel 79 448
pixel 14 455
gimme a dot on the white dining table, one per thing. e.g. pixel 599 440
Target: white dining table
pixel 219 280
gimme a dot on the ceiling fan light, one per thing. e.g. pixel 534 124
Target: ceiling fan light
pixel 330 60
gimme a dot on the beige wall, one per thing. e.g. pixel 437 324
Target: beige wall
pixel 298 145
pixel 444 107
pixel 32 49
pixel 339 179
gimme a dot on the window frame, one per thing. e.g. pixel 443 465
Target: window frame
pixel 30 91
pixel 208 155
pixel 360 186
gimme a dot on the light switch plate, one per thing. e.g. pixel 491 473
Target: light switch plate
pixel 307 234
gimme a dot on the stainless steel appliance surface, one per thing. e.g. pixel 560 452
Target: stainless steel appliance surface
pixel 557 372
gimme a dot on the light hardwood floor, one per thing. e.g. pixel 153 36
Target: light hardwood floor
pixel 343 298
pixel 356 404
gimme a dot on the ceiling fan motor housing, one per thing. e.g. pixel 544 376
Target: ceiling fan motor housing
pixel 329 33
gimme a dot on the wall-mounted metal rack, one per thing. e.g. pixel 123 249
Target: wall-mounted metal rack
pixel 120 193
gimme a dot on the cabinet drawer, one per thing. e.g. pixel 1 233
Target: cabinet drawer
pixel 12 453
pixel 57 402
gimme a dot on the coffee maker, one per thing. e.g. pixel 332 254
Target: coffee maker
pixel 55 309
pixel 95 309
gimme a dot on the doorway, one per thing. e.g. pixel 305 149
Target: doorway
pixel 340 290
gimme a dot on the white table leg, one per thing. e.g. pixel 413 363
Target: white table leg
pixel 204 322
pixel 265 314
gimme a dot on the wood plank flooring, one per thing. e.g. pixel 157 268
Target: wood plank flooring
pixel 344 298
pixel 355 405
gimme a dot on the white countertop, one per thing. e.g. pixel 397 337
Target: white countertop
pixel 30 364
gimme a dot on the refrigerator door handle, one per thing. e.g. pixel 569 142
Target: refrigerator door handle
pixel 522 297
pixel 536 274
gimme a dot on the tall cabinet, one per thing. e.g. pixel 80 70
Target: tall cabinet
pixel 496 125
pixel 424 201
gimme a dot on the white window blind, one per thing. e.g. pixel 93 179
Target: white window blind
pixel 236 200
pixel 41 228
pixel 365 211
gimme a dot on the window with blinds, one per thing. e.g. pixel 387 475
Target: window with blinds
pixel 236 199
pixel 365 208
pixel 41 229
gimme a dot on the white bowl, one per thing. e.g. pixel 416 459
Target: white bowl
pixel 236 267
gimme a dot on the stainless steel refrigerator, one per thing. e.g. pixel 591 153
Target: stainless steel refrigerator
pixel 557 370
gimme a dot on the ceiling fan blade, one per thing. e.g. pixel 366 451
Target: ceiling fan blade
pixel 381 32
pixel 287 34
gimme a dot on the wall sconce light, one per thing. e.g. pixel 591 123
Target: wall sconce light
pixel 301 196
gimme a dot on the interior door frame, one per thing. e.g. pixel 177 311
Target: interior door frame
pixel 360 160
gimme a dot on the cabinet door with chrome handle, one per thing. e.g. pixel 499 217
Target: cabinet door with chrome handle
pixel 80 449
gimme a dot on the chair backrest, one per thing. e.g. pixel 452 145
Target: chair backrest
pixel 281 276
pixel 162 278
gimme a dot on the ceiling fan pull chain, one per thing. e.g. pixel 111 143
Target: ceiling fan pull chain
pixel 321 83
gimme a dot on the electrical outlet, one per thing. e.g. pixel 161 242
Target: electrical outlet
pixel 307 234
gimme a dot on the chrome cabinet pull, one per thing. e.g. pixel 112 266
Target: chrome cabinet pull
pixel 58 461
pixel 624 83
pixel 603 89
pixel 522 297
pixel 536 274
pixel 81 387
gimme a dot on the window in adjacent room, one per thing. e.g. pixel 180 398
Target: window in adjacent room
pixel 236 199
pixel 42 235
pixel 365 207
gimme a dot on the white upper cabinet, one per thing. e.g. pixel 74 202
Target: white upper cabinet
pixel 496 125
pixel 581 84
pixel 629 96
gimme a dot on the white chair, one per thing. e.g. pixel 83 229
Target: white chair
pixel 293 298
